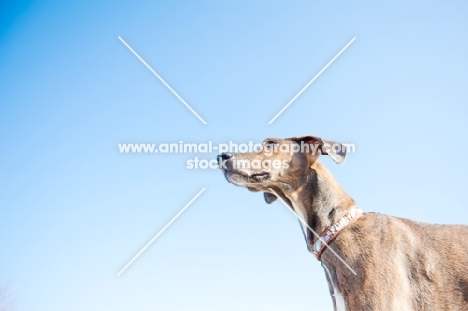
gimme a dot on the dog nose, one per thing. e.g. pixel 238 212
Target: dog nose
pixel 224 156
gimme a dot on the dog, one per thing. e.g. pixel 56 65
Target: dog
pixel 371 261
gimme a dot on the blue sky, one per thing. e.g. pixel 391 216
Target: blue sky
pixel 74 210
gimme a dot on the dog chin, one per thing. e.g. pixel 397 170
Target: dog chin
pixel 243 179
pixel 236 178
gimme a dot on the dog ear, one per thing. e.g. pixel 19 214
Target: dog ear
pixel 269 197
pixel 335 150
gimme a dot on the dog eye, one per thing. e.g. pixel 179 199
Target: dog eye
pixel 269 145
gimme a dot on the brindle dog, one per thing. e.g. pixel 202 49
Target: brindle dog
pixel 400 264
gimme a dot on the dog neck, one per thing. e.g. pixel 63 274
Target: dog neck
pixel 320 201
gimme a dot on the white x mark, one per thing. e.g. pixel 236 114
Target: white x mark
pixel 313 79
pixel 162 80
pixel 160 232
pixel 203 121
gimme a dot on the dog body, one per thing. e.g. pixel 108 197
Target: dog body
pixel 399 264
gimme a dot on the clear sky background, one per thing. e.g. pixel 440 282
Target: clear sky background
pixel 74 210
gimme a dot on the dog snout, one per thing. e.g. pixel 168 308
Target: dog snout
pixel 224 156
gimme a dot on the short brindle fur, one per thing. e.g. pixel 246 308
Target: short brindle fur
pixel 401 265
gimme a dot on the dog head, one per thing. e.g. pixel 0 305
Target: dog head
pixel 281 164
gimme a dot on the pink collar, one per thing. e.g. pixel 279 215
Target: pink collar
pixel 329 235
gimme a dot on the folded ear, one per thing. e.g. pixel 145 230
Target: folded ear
pixel 335 150
pixel 269 197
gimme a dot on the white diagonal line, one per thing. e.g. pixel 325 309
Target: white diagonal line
pixel 160 232
pixel 162 80
pixel 315 233
pixel 313 79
